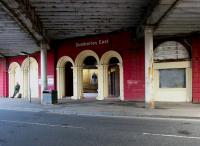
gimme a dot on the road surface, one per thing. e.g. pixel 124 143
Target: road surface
pixel 43 129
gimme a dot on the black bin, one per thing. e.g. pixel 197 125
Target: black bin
pixel 50 97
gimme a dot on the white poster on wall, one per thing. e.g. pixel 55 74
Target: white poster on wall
pixel 50 80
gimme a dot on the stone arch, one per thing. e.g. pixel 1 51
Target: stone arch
pixel 14 72
pixel 60 70
pixel 30 90
pixel 108 55
pixel 105 63
pixel 176 49
pixel 82 55
pixel 63 60
pixel 78 73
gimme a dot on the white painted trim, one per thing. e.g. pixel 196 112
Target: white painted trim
pixel 173 94
pixel 168 65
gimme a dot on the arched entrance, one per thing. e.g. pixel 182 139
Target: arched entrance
pixel 30 73
pixel 113 78
pixel 86 70
pixel 90 77
pixel 14 77
pixel 172 77
pixel 112 71
pixel 65 77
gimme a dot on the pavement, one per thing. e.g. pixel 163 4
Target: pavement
pixel 106 108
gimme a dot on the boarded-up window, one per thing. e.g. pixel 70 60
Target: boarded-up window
pixel 172 78
pixel 171 50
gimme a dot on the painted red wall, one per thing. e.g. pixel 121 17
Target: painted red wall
pixel 196 70
pixel 19 60
pixel 123 43
pixel 50 67
pixel 3 78
pixel 134 81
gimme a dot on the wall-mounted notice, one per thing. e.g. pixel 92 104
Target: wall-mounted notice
pixel 50 80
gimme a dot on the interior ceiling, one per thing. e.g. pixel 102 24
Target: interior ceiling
pixel 63 19
pixel 183 18
pixel 74 18
pixel 14 39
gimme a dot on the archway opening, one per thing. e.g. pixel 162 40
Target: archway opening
pixel 113 77
pixel 30 78
pixel 90 77
pixel 65 78
pixel 68 79
pixel 14 77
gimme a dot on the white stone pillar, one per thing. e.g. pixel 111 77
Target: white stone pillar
pixel 77 81
pixel 105 81
pixel 25 85
pixel 75 90
pixel 121 81
pixel 43 57
pixel 11 86
pixel 60 82
pixel 100 83
pixel 80 82
pixel 149 67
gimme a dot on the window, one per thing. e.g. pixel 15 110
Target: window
pixel 172 78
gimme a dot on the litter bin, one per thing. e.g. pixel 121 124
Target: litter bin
pixel 49 97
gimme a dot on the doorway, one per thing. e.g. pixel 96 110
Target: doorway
pixel 65 77
pixel 112 75
pixel 113 78
pixel 68 79
pixel 90 77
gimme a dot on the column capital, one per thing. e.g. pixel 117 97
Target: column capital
pixel 149 29
pixel 60 67
pixel 77 66
pixel 105 65
pixel 120 64
pixel 99 66
pixel 44 45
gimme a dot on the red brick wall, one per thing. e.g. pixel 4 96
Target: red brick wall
pixel 196 70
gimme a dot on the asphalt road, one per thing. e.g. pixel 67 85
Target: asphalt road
pixel 42 129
